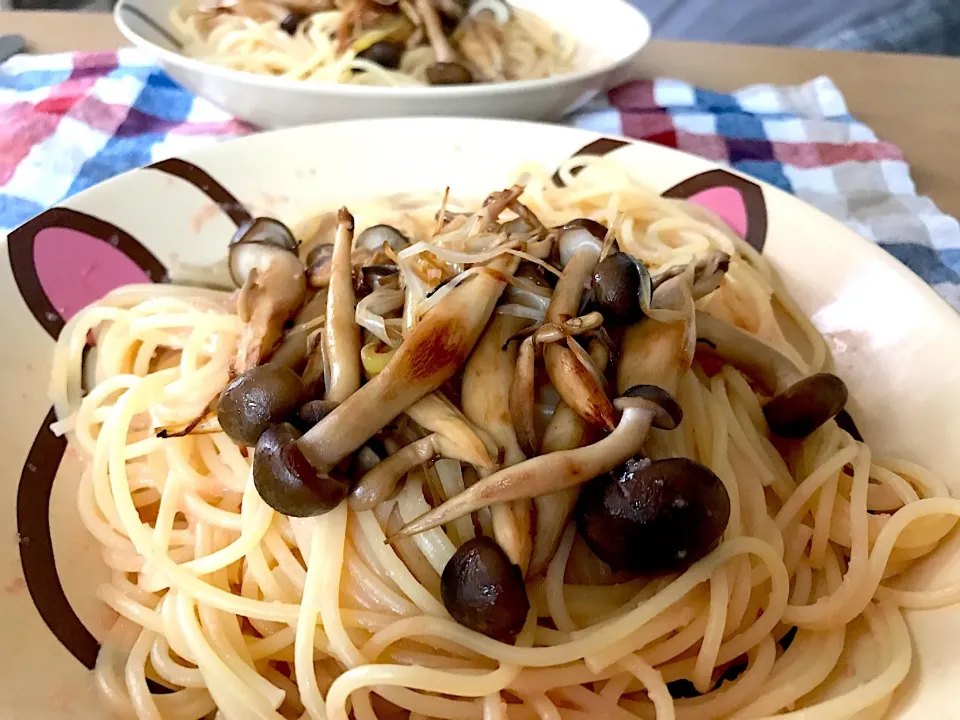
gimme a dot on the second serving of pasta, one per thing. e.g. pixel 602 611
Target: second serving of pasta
pixel 375 42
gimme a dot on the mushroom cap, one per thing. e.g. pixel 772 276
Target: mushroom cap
pixel 500 10
pixel 376 236
pixel 287 481
pixel 448 73
pixel 484 591
pixel 654 517
pixel 370 277
pixel 669 415
pixel 312 412
pixel 582 232
pixel 291 22
pixel 806 405
pixel 257 399
pixel 254 242
pixel 385 53
pixel 621 287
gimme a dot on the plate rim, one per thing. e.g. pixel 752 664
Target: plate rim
pixel 948 316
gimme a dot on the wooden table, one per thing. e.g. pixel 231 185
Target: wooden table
pixel 912 101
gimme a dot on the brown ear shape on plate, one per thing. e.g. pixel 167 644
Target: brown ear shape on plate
pixel 737 200
pixel 63 260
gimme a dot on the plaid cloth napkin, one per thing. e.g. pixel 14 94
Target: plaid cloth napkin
pixel 72 120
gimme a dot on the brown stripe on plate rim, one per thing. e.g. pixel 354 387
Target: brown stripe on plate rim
pixel 37 560
pixel 597 148
pixel 36 545
pixel 205 183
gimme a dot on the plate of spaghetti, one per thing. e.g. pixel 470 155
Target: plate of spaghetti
pixel 593 429
pixel 288 62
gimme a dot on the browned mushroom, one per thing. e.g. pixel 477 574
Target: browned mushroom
pixel 566 430
pixel 800 404
pixel 580 244
pixel 447 70
pixel 432 353
pixel 341 333
pixel 264 264
pixel 489 370
pixel 659 362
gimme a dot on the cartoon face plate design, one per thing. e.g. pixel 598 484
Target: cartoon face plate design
pixel 64 260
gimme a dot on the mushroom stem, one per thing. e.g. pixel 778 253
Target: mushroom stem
pixel 293 350
pixel 801 404
pixel 272 292
pixel 773 370
pixel 380 482
pixel 489 370
pixel 566 431
pixel 575 383
pixel 341 333
pixel 658 353
pixel 435 414
pixel 708 272
pixel 435 35
pixel 512 530
pixel 434 350
pixel 523 397
pixel 547 473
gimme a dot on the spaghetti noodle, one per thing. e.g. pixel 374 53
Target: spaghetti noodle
pixel 237 609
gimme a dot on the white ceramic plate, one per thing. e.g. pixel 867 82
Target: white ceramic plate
pixel 610 35
pixel 895 343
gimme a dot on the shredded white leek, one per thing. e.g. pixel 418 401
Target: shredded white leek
pixel 521 311
pixel 371 311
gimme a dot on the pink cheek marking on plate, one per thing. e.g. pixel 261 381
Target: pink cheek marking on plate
pixel 727 203
pixel 76 269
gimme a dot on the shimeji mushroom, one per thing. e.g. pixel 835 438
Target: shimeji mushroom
pixel 451 437
pixel 523 389
pixel 800 404
pixel 434 350
pixel 341 334
pixel 487 373
pixel 654 517
pixel 654 367
pixel 368 252
pixel 565 431
pixel 261 397
pixel 293 350
pixel 708 272
pixel 580 243
pixel 484 591
pixel 264 265
pixel 378 483
pixel 621 288
pixel 447 70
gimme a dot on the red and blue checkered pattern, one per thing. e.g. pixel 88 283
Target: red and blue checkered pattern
pixel 72 120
